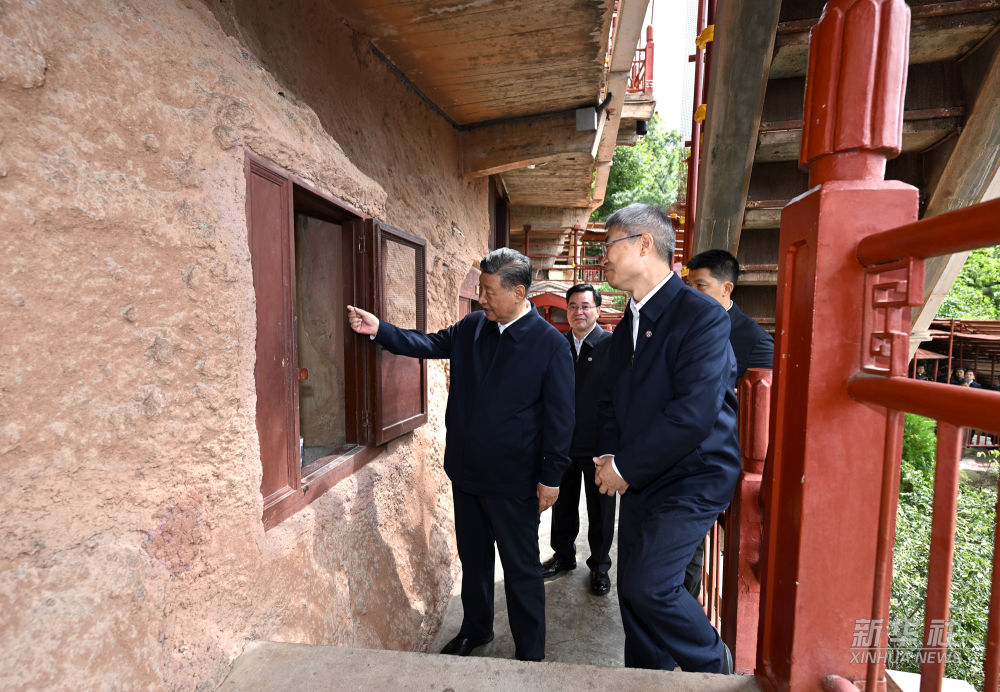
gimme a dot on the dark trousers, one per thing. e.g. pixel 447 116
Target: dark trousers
pixel 511 523
pixel 692 574
pixel 664 625
pixel 600 516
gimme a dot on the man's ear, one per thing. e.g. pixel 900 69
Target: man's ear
pixel 727 288
pixel 520 291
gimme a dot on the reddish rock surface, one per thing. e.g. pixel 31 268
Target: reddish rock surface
pixel 133 554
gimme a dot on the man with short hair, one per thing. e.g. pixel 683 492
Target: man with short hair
pixel 921 373
pixel 958 376
pixel 509 420
pixel 714 273
pixel 970 380
pixel 590 348
pixel 669 437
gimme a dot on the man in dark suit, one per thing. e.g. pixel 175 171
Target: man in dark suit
pixel 669 437
pixel 590 347
pixel 509 421
pixel 714 273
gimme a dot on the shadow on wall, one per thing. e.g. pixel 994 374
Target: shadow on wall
pixel 380 573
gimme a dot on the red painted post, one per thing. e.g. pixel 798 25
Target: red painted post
pixel 694 157
pixel 942 552
pixel 822 517
pixel 991 665
pixel 647 87
pixel 741 571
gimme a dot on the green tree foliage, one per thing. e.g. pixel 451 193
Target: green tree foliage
pixel 970 591
pixel 653 171
pixel 975 295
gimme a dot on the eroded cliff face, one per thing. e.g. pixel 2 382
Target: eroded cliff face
pixel 133 554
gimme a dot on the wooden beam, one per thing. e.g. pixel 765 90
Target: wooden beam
pixel 609 136
pixel 741 58
pixel 775 144
pixel 520 143
pixel 972 175
pixel 546 217
pixel 934 36
pixel 631 15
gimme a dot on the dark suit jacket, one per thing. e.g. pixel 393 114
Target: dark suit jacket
pixel 509 418
pixel 591 376
pixel 670 417
pixel 753 347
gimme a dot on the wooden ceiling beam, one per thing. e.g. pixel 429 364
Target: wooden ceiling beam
pixel 934 36
pixel 776 144
pixel 546 217
pixel 741 58
pixel 972 175
pixel 523 142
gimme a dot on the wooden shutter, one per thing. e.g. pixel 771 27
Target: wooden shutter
pixel 269 219
pixel 398 389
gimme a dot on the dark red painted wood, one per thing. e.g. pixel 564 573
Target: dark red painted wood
pixel 399 404
pixel 269 232
pixel 741 572
pixel 820 535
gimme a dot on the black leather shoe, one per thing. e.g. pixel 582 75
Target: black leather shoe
pixel 463 646
pixel 600 583
pixel 555 566
pixel 727 661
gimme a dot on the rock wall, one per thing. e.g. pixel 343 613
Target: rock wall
pixel 133 554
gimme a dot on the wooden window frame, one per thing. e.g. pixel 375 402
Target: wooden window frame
pixel 367 426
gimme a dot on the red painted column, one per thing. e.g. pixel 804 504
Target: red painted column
pixel 823 483
pixel 741 572
pixel 647 86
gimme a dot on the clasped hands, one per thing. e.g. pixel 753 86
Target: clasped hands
pixel 607 479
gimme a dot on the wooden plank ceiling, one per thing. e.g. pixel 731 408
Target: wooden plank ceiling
pixel 750 170
pixel 509 74
pixel 485 60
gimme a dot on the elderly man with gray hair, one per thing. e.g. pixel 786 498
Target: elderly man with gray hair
pixel 509 424
pixel 669 441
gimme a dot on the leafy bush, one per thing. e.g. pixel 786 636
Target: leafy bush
pixel 972 564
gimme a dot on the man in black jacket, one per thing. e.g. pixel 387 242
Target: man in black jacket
pixel 590 347
pixel 714 273
pixel 509 421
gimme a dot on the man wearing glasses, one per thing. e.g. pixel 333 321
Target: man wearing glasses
pixel 669 440
pixel 590 349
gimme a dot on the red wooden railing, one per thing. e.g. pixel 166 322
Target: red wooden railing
pixel 953 407
pixel 840 387
pixel 740 574
pixel 702 64
pixel 640 79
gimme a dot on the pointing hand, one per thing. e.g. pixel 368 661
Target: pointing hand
pixel 362 322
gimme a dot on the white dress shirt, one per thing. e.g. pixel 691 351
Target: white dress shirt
pixel 578 343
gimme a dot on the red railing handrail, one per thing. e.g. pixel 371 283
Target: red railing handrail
pixel 961 406
pixel 957 231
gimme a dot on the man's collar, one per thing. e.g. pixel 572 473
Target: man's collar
pixel 652 292
pixel 653 302
pixel 586 336
pixel 516 321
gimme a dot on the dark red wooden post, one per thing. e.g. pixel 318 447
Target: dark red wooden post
pixel 741 573
pixel 647 85
pixel 823 486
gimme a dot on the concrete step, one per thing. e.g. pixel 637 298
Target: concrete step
pixel 303 668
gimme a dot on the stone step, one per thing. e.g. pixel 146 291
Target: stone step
pixel 303 668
